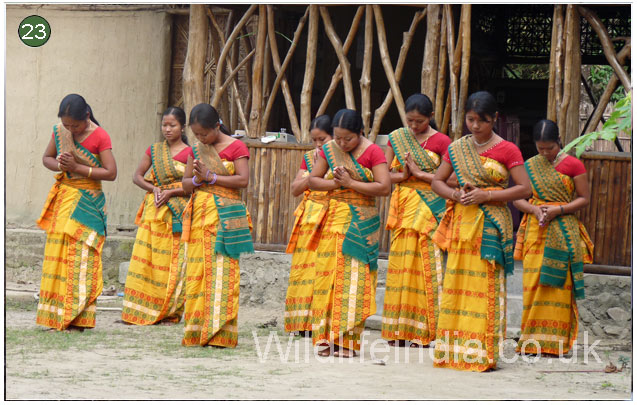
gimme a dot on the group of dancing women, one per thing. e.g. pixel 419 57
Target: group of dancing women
pixel 452 242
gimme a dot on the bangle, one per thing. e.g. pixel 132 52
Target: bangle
pixel 59 168
pixel 214 179
pixel 562 209
pixel 194 182
pixel 489 196
pixel 207 174
pixel 90 170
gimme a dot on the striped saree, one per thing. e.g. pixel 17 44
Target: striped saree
pixel 74 219
pixel 154 288
pixel 414 274
pixel 472 319
pixel 553 258
pixel 298 298
pixel 346 242
pixel 216 227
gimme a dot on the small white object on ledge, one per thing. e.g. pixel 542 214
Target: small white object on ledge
pixel 268 139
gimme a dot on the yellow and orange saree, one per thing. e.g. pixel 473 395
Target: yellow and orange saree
pixel 553 258
pixel 74 218
pixel 216 227
pixel 298 298
pixel 154 289
pixel 414 273
pixel 472 319
pixel 346 242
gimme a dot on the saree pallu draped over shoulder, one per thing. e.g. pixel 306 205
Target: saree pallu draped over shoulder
pixel 478 238
pixel 414 274
pixel 346 242
pixel 155 283
pixel 308 215
pixel 216 227
pixel 74 219
pixel 553 258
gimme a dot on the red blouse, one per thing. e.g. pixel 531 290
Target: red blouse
pixel 504 152
pixel 372 156
pixel 96 142
pixel 437 143
pixel 182 156
pixel 571 166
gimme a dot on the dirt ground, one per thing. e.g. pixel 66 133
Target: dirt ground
pixel 116 361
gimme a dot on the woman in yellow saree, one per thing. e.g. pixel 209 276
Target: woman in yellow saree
pixel 216 227
pixel 346 239
pixel 477 232
pixel 298 299
pixel 74 218
pixel 414 273
pixel 553 245
pixel 154 289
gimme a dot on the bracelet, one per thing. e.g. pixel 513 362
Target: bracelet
pixel 59 168
pixel 214 179
pixel 194 182
pixel 562 209
pixel 489 196
pixel 207 174
pixel 90 170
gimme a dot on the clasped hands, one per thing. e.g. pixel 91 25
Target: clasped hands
pixel 67 162
pixel 410 168
pixel 470 194
pixel 342 177
pixel 546 213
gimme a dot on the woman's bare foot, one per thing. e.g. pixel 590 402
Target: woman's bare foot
pixel 325 352
pixel 394 343
pixel 343 352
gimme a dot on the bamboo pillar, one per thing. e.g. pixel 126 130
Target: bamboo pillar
pixel 574 59
pixel 442 74
pixel 310 68
pixel 465 20
pixel 257 76
pixel 193 80
pixel 365 81
pixel 430 61
pixel 559 60
pixel 568 70
pixel 551 110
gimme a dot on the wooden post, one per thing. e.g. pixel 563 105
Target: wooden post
pixel 365 81
pixel 559 60
pixel 257 76
pixel 342 59
pixel 402 56
pixel 337 76
pixel 310 68
pixel 551 112
pixel 442 74
pixel 607 46
pixel 432 43
pixel 465 20
pixel 193 83
pixel 386 60
pixel 574 59
pixel 568 70
pixel 280 78
pixel 453 77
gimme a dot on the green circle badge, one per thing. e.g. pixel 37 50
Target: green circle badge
pixel 34 31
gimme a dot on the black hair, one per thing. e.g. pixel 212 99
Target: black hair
pixel 206 116
pixel 546 131
pixel 348 119
pixel 180 115
pixel 74 106
pixel 422 105
pixel 322 122
pixel 483 104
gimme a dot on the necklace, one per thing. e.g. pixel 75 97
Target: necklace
pixel 479 145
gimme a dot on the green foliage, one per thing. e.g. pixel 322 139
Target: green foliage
pixel 599 77
pixel 621 120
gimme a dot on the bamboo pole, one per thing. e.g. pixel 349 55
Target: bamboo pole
pixel 465 20
pixel 453 78
pixel 607 46
pixel 442 74
pixel 568 70
pixel 610 89
pixel 226 48
pixel 444 128
pixel 365 81
pixel 386 60
pixel 551 112
pixel 310 69
pixel 430 60
pixel 285 88
pixel 574 59
pixel 337 76
pixel 402 56
pixel 248 45
pixel 257 75
pixel 233 73
pixel 193 80
pixel 342 59
pixel 559 57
